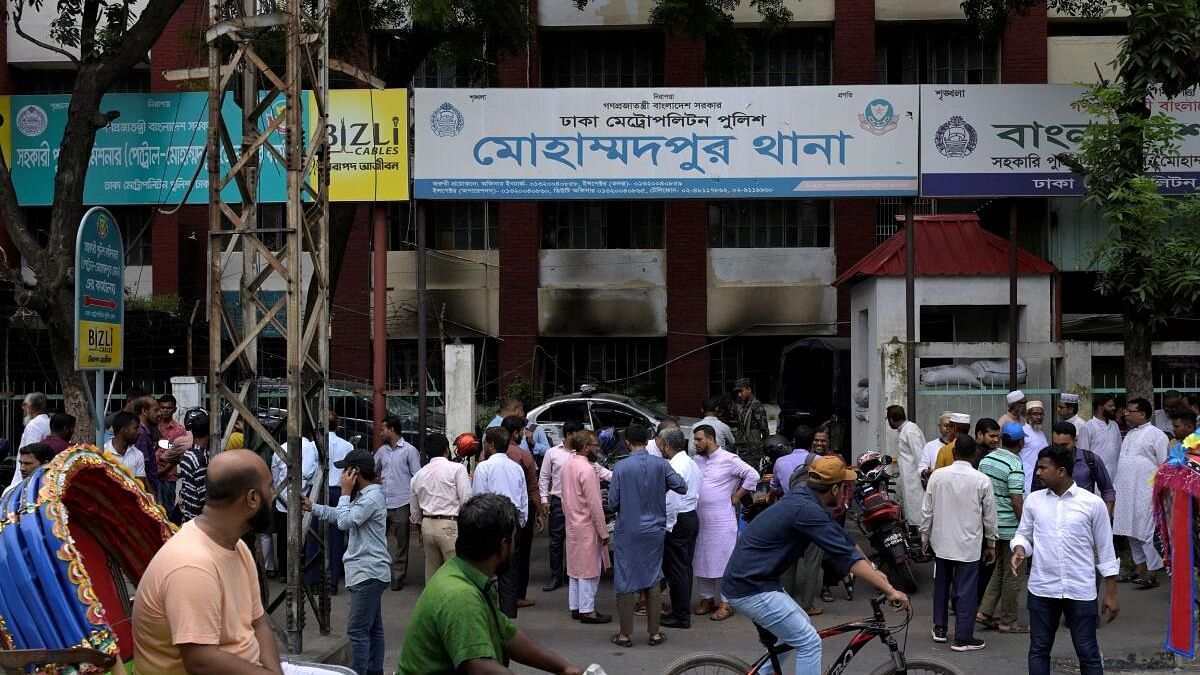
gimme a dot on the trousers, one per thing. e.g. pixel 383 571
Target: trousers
pixel 1144 553
pixel 626 602
pixel 1003 589
pixel 521 561
pixel 1044 615
pixel 364 626
pixel 557 527
pixel 335 539
pixel 438 538
pixel 679 547
pixel 777 612
pixel 507 584
pixel 397 536
pixel 581 594
pixel 960 581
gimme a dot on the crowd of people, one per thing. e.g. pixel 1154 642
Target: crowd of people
pixel 666 519
pixel 1079 490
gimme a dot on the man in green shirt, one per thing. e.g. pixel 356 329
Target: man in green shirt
pixel 456 625
pixel 998 609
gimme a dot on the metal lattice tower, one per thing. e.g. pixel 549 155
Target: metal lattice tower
pixel 301 315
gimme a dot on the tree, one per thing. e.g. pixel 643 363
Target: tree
pixel 104 39
pixel 1144 263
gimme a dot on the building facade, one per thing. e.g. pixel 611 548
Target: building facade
pixel 668 299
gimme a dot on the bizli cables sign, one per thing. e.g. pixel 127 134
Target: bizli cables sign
pixel 151 154
pixel 742 142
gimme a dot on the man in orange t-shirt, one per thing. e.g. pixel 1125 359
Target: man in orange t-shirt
pixel 198 607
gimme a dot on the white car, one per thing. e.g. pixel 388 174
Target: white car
pixel 597 411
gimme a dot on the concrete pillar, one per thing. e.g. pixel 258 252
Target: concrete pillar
pixel 892 390
pixel 459 390
pixel 1074 373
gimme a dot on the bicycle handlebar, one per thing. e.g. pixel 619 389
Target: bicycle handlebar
pixel 880 600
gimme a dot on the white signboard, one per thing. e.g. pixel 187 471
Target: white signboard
pixel 1003 140
pixel 744 142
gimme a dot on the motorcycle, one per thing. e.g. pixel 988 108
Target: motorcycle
pixel 881 521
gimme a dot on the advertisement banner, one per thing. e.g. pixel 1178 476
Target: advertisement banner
pixel 741 142
pixel 151 152
pixel 1003 140
pixel 99 293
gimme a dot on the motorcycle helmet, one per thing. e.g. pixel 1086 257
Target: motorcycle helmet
pixel 871 464
pixel 196 418
pixel 776 446
pixel 466 445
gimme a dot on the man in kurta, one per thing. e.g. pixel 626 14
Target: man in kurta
pixel 1068 411
pixel 638 495
pixel 1143 450
pixel 724 480
pixel 909 447
pixel 586 531
pixel 1035 440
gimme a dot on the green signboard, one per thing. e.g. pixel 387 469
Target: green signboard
pixel 99 293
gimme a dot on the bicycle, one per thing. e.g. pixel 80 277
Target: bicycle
pixel 868 629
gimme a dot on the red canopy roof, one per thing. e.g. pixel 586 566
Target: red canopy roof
pixel 947 245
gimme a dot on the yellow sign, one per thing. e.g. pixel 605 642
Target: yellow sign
pixel 367 132
pixel 99 345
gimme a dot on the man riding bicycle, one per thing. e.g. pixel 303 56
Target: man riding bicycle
pixel 776 539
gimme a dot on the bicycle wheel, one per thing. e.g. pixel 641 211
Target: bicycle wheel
pixel 707 664
pixel 919 667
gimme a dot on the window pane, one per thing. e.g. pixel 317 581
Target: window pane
pixel 580 58
pixel 769 223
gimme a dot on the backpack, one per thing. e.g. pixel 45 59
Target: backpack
pixel 801 473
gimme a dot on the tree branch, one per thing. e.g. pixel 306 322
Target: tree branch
pixel 136 43
pixel 15 225
pixel 87 30
pixel 58 50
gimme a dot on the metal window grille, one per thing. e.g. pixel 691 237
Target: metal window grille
pixel 794 223
pixel 798 56
pixel 465 226
pixel 888 208
pixel 935 54
pixel 602 59
pixel 613 225
pixel 568 363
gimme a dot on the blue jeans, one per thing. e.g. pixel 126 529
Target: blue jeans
pixel 1044 614
pixel 335 540
pixel 365 626
pixel 777 612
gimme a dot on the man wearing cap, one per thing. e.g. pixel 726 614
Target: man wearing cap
pixel 1068 411
pixel 962 425
pixel 1035 440
pixel 362 512
pixel 998 608
pixel 776 539
pixel 960 502
pixel 439 490
pixel 910 445
pixel 1016 408
pixel 752 428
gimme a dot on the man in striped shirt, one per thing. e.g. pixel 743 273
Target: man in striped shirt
pixel 1003 466
pixel 193 466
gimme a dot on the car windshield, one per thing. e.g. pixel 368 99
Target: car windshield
pixel 653 409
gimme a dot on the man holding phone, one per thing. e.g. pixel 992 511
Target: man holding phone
pixel 362 512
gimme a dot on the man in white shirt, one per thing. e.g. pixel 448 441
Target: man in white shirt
pixel 1104 435
pixel 500 475
pixel 910 446
pixel 960 502
pixel 946 431
pixel 725 437
pixel 550 492
pixel 125 434
pixel 1069 527
pixel 37 425
pixel 438 492
pixel 279 472
pixel 682 527
pixel 1142 452
pixel 1068 411
pixel 1035 439
pixel 335 538
pixel 1172 401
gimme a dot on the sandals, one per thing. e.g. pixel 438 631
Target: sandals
pixel 723 612
pixel 988 622
pixel 1144 583
pixel 619 641
pixel 813 611
pixel 656 640
pixel 705 606
pixel 826 594
pixel 1016 627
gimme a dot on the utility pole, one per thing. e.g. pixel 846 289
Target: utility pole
pixel 276 140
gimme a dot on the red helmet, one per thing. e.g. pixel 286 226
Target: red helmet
pixel 466 444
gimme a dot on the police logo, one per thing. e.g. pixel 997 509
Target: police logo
pixel 955 138
pixel 446 120
pixel 102 227
pixel 879 117
pixel 32 121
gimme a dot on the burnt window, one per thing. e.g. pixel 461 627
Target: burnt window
pixel 931 53
pixel 794 57
pixel 778 223
pixel 633 224
pixel 602 58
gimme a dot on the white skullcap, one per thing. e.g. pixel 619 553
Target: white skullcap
pixel 960 418
pixel 1035 405
pixel 1066 397
pixel 1015 396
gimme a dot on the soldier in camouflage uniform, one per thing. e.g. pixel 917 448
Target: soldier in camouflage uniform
pixel 752 429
